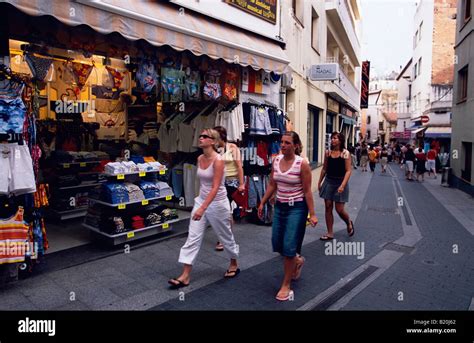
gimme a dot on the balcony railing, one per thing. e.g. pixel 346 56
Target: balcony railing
pixel 340 6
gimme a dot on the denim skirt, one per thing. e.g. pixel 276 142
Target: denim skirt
pixel 288 228
pixel 329 190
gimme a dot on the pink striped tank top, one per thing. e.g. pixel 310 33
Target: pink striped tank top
pixel 289 184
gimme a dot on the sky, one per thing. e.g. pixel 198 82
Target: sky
pixel 387 31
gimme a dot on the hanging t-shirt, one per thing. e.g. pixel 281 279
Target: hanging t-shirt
pixel 172 84
pixel 193 86
pixel 147 77
pixel 212 87
pixel 12 108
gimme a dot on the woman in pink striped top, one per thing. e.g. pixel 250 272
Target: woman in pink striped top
pixel 291 180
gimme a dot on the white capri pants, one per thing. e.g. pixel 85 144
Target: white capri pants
pixel 218 215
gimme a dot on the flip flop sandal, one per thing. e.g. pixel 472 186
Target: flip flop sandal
pixel 179 284
pixel 233 273
pixel 290 295
pixel 326 238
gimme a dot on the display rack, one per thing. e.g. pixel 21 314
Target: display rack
pixel 136 234
pixel 60 193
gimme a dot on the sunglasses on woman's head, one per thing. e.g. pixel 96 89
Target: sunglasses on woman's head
pixel 205 136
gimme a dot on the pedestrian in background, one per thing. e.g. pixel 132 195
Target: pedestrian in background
pixel 409 158
pixel 335 188
pixel 290 178
pixel 420 164
pixel 384 155
pixel 373 155
pixel 364 157
pixel 431 161
pixel 234 173
pixel 211 206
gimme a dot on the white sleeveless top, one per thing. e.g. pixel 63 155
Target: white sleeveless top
pixel 205 178
pixel 289 184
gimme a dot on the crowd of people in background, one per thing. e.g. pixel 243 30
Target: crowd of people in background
pixel 415 160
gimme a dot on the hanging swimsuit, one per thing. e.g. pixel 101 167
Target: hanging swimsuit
pixel 116 75
pixel 13 236
pixel 12 108
pixel 82 72
pixel 39 66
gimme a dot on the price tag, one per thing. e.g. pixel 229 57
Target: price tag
pixel 142 173
pixel 130 234
pixel 162 172
pixel 166 226
pixel 169 197
pixel 121 206
pixel 114 89
pixel 82 164
pixel 120 176
pixel 144 202
pixel 255 178
pixel 66 165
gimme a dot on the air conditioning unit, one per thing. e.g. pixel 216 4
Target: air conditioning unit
pixel 287 81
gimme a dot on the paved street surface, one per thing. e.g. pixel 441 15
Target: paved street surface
pixel 413 250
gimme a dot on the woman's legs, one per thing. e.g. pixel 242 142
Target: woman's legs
pixel 344 215
pixel 329 217
pixel 289 265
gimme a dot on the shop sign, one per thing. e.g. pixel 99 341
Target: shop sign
pixel 364 90
pixel 333 105
pixel 425 119
pixel 347 112
pixel 324 72
pixel 263 9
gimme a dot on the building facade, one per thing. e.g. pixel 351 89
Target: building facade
pixel 462 158
pixel 432 72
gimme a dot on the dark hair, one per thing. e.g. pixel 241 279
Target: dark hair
pixel 342 140
pixel 222 132
pixel 296 141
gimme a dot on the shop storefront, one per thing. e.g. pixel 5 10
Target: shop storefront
pixel 107 119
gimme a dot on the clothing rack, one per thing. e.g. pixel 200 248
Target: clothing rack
pixel 268 104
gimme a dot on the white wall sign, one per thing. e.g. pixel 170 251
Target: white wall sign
pixel 324 72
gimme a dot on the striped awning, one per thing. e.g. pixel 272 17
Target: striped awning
pixel 164 24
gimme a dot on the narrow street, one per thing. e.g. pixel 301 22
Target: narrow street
pixel 416 256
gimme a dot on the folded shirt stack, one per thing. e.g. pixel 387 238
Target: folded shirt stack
pixel 150 189
pixel 114 168
pixel 138 222
pixel 130 166
pixel 134 192
pixel 115 193
pixel 164 189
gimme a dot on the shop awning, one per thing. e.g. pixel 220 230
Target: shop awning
pixel 438 132
pixel 418 129
pixel 164 24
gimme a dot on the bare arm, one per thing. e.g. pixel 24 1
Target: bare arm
pixel 323 172
pixel 306 181
pixel 238 162
pixel 347 175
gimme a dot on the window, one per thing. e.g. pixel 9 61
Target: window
pixel 409 92
pixel 368 119
pixel 419 66
pixel 404 125
pixel 368 134
pixel 415 71
pixel 466 8
pixel 419 30
pixel 329 124
pixel 462 83
pixel 315 31
pixel 415 39
pixel 467 161
pixel 381 126
pixel 298 10
pixel 313 134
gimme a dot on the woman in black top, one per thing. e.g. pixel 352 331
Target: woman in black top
pixel 335 188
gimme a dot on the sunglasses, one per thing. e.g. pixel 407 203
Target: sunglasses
pixel 205 136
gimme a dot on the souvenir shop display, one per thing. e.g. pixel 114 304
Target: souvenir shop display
pixel 124 208
pixel 22 230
